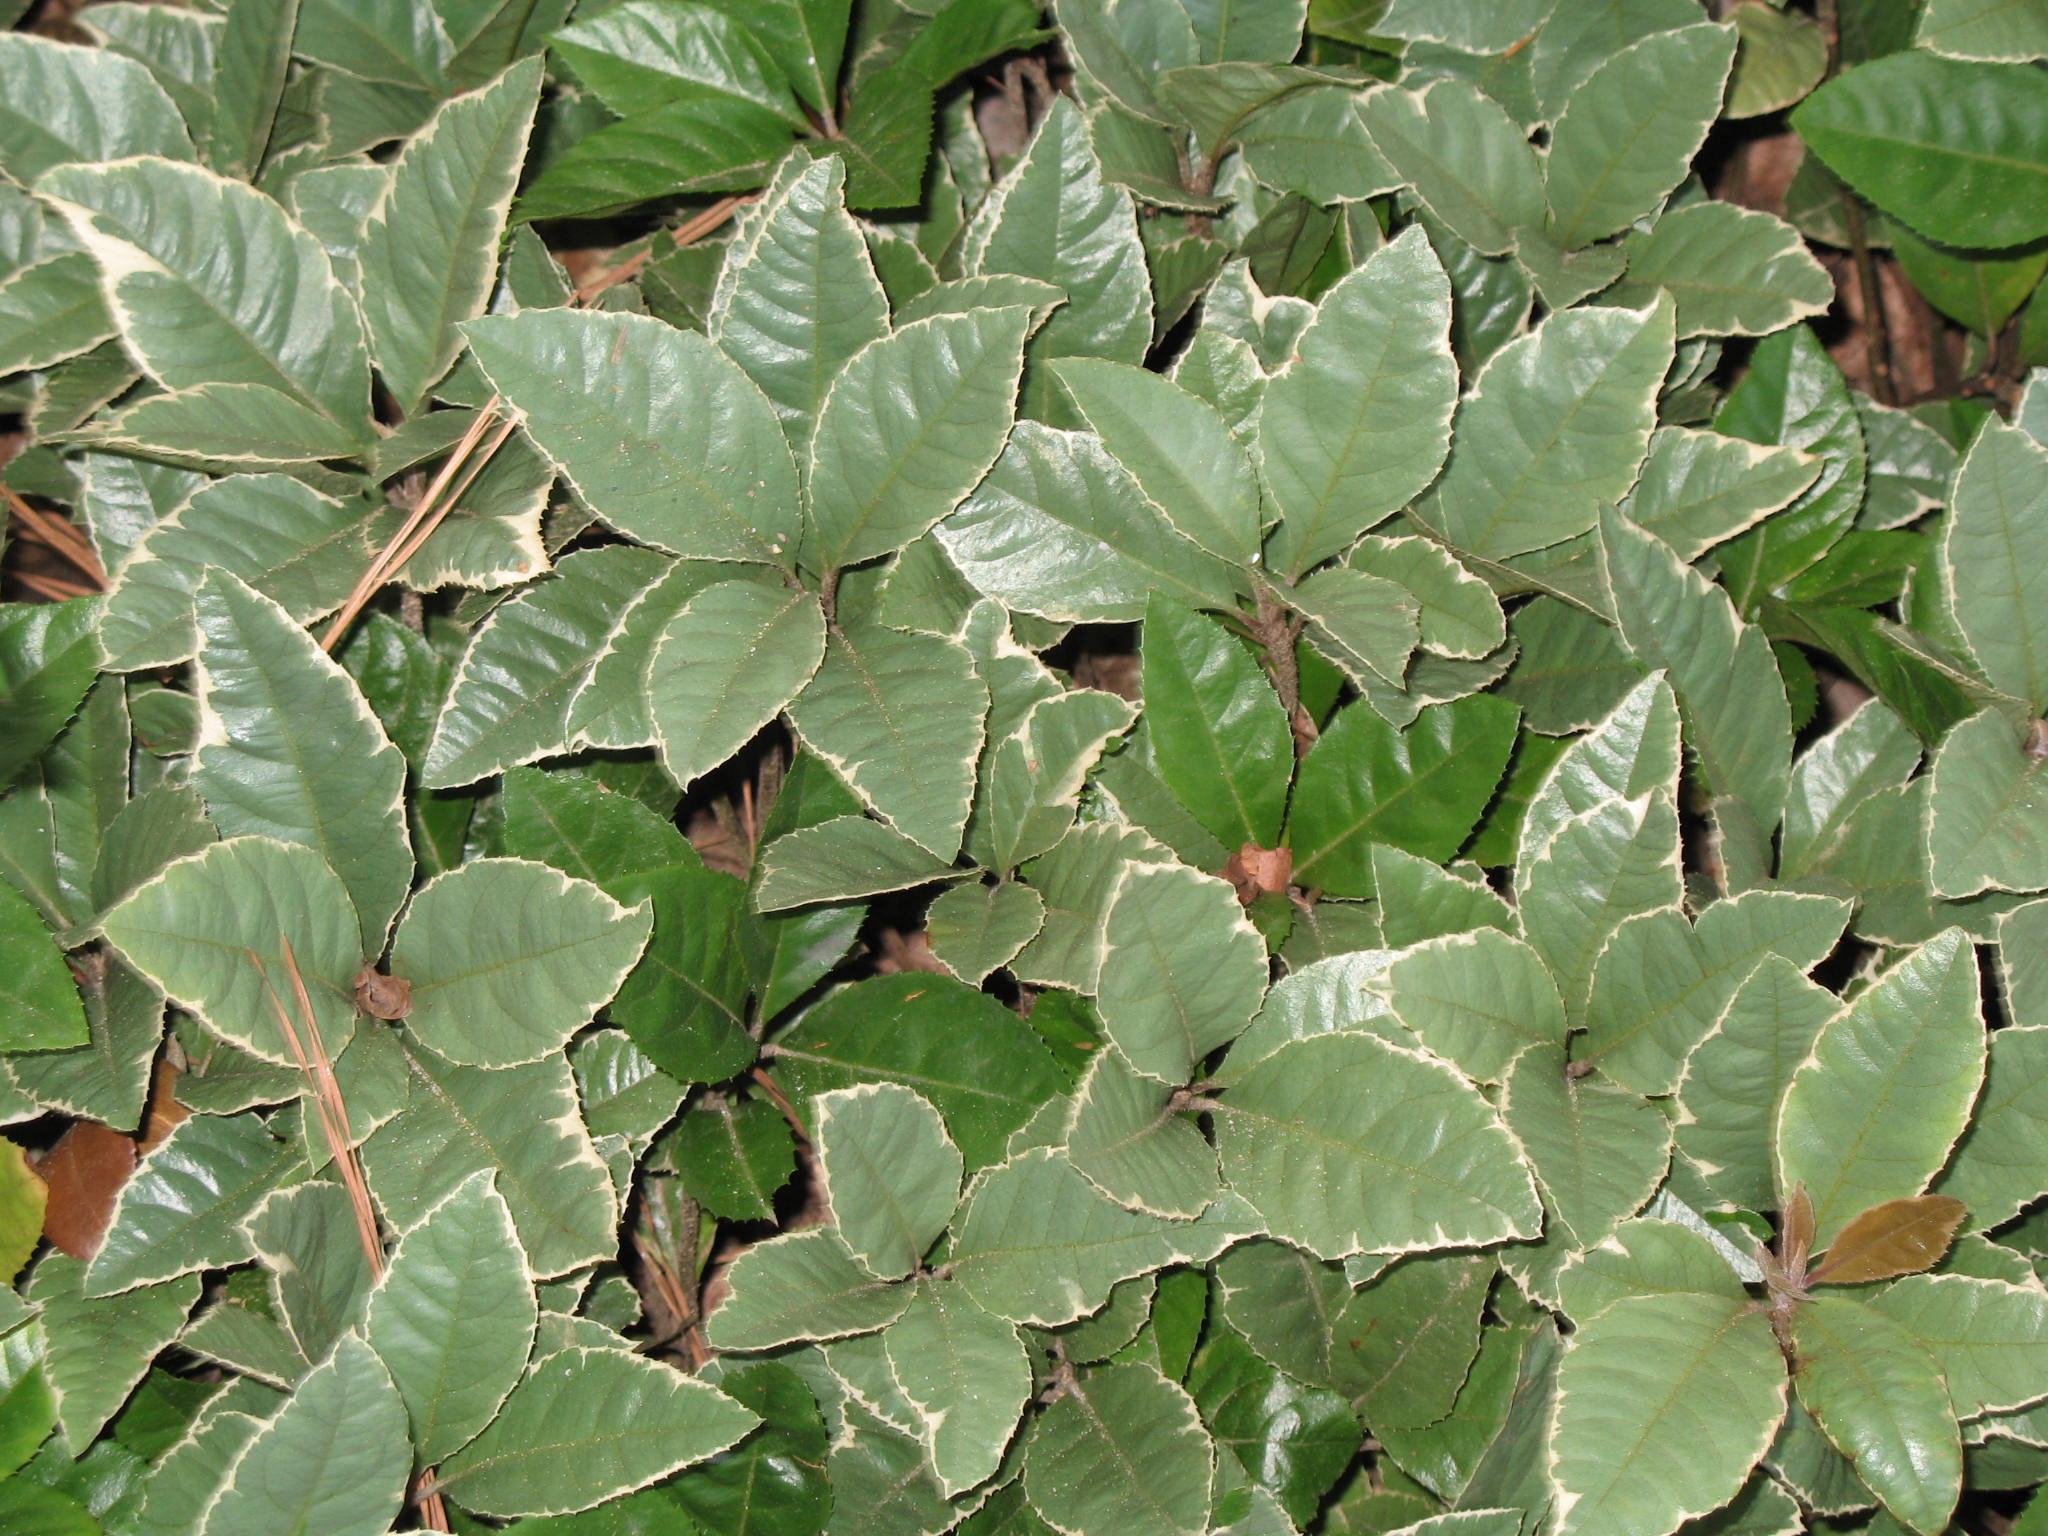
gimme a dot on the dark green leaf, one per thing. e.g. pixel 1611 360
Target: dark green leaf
pixel 1420 789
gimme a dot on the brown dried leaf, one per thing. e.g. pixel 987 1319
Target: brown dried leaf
pixel 85 1172
pixel 383 997
pixel 1899 1237
pixel 1253 870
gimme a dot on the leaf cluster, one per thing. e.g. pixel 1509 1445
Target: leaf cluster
pixel 1264 811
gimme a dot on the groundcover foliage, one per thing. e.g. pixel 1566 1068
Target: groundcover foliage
pixel 1476 1044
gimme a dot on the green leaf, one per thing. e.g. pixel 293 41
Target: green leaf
pixel 453 1317
pixel 1913 1039
pixel 193 928
pixel 386 41
pixel 24 1199
pixel 51 311
pixel 881 1485
pixel 1599 1152
pixel 732 1157
pixel 1699 488
pixel 1078 878
pixel 306 1236
pixel 1310 1129
pixel 1952 149
pixel 524 665
pixel 183 1208
pixel 1037 1243
pixel 1659 986
pixel 1631 1451
pixel 586 1425
pixel 898 715
pixel 508 958
pixel 1177 447
pixel 1401 1346
pixel 1988 812
pixel 976 929
pixel 81 104
pixel 1645 1257
pixel 1989 1338
pixel 1468 162
pixel 1365 624
pixel 798 297
pixel 1781 55
pixel 1420 901
pixel 297 547
pixel 908 428
pixel 1871 751
pixel 624 1093
pixel 967 1376
pixel 335 1457
pixel 250 60
pixel 520 1124
pixel 802 1285
pixel 775 1479
pixel 1630 753
pixel 1989 561
pixel 1736 1075
pixel 1910 466
pixel 1982 29
pixel 840 860
pixel 1722 669
pixel 1616 861
pixel 1570 668
pixel 47 663
pixel 250 425
pixel 97 1350
pixel 639 56
pixel 1123 1450
pixel 1062 530
pixel 1997 1163
pixel 1472 26
pixel 1356 424
pixel 1978 291
pixel 705 141
pixel 891 1172
pixel 429 247
pixel 610 706
pixel 1219 734
pixel 1556 425
pixel 289 750
pixel 1879 1396
pixel 40 997
pixel 157 228
pixel 1182 970
pixel 1127 1140
pixel 1457 612
pixel 725 666
pixel 976 1061
pixel 1479 1000
pixel 1730 271
pixel 1053 217
pixel 1291 1439
pixel 1420 790
pixel 1630 130
pixel 662 434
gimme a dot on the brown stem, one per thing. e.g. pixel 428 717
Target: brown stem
pixel 1877 345
pixel 1274 628
pixel 425 514
pixel 780 1100
pixel 685 234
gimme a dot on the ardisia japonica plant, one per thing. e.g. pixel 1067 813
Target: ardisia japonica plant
pixel 1163 769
